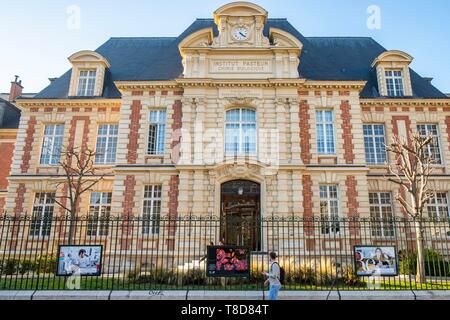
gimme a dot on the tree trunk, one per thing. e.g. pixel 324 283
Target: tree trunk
pixel 420 276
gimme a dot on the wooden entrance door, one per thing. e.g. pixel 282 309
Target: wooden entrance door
pixel 241 214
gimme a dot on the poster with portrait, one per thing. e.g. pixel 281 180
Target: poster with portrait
pixel 228 261
pixel 80 260
pixel 376 261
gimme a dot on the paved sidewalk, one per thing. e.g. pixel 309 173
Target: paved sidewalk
pixel 223 295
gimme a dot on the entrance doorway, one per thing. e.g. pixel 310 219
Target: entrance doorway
pixel 241 213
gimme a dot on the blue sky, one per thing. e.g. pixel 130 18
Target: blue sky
pixel 36 39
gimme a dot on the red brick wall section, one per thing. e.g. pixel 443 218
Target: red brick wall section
pixel 347 135
pixel 352 195
pixel 173 203
pixel 128 206
pixel 31 129
pixel 6 155
pixel 352 203
pixel 129 194
pixel 2 205
pixel 176 127
pixel 20 200
pixel 304 133
pixel 308 204
pixel 134 131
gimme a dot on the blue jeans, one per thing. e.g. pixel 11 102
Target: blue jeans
pixel 273 293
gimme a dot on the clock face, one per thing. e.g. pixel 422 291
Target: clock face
pixel 240 34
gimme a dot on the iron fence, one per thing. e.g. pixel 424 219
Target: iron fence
pixel 164 253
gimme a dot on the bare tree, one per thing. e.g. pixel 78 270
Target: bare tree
pixel 412 171
pixel 80 176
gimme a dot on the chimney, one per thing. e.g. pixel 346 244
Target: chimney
pixel 429 79
pixel 52 79
pixel 16 89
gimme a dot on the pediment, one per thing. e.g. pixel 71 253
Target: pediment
pixel 200 39
pixel 393 56
pixel 241 9
pixel 281 38
pixel 88 56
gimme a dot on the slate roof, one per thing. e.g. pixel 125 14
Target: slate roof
pixel 323 58
pixel 9 115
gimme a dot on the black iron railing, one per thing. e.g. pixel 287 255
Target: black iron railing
pixel 163 253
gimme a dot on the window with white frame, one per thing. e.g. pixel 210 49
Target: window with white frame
pixel 240 132
pixel 375 143
pixel 86 83
pixel 99 213
pixel 151 209
pixel 329 209
pixel 157 132
pixel 382 214
pixel 43 207
pixel 106 144
pixel 394 83
pixel 325 132
pixel 51 144
pixel 437 206
pixel 434 148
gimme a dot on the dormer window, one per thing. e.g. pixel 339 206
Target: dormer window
pixel 393 75
pixel 88 74
pixel 86 83
pixel 394 83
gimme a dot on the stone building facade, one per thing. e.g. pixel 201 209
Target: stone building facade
pixel 240 115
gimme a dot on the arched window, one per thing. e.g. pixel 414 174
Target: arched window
pixel 240 132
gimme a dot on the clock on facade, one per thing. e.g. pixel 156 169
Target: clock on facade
pixel 240 33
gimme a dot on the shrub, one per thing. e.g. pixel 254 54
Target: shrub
pixel 194 277
pixel 349 277
pixel 10 267
pixel 26 266
pixel 154 277
pixel 46 264
pixel 435 264
pixel 321 271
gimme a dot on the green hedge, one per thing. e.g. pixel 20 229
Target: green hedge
pixel 435 264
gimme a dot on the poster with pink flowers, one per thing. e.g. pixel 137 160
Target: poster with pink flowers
pixel 228 261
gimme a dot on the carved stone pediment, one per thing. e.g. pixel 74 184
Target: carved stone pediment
pixel 232 54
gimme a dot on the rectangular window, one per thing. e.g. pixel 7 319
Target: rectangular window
pixel 375 143
pixel 157 132
pixel 86 83
pixel 51 145
pixel 394 83
pixel 41 222
pixel 382 214
pixel 325 132
pixel 106 144
pixel 241 132
pixel 329 209
pixel 151 210
pixel 99 213
pixel 437 206
pixel 434 148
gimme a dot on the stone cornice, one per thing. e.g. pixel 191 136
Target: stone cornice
pixel 8 133
pixel 26 103
pixel 355 85
pixel 236 83
pixel 405 102
pixel 240 83
pixel 145 85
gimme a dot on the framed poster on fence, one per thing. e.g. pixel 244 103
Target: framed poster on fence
pixel 80 260
pixel 228 261
pixel 376 261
